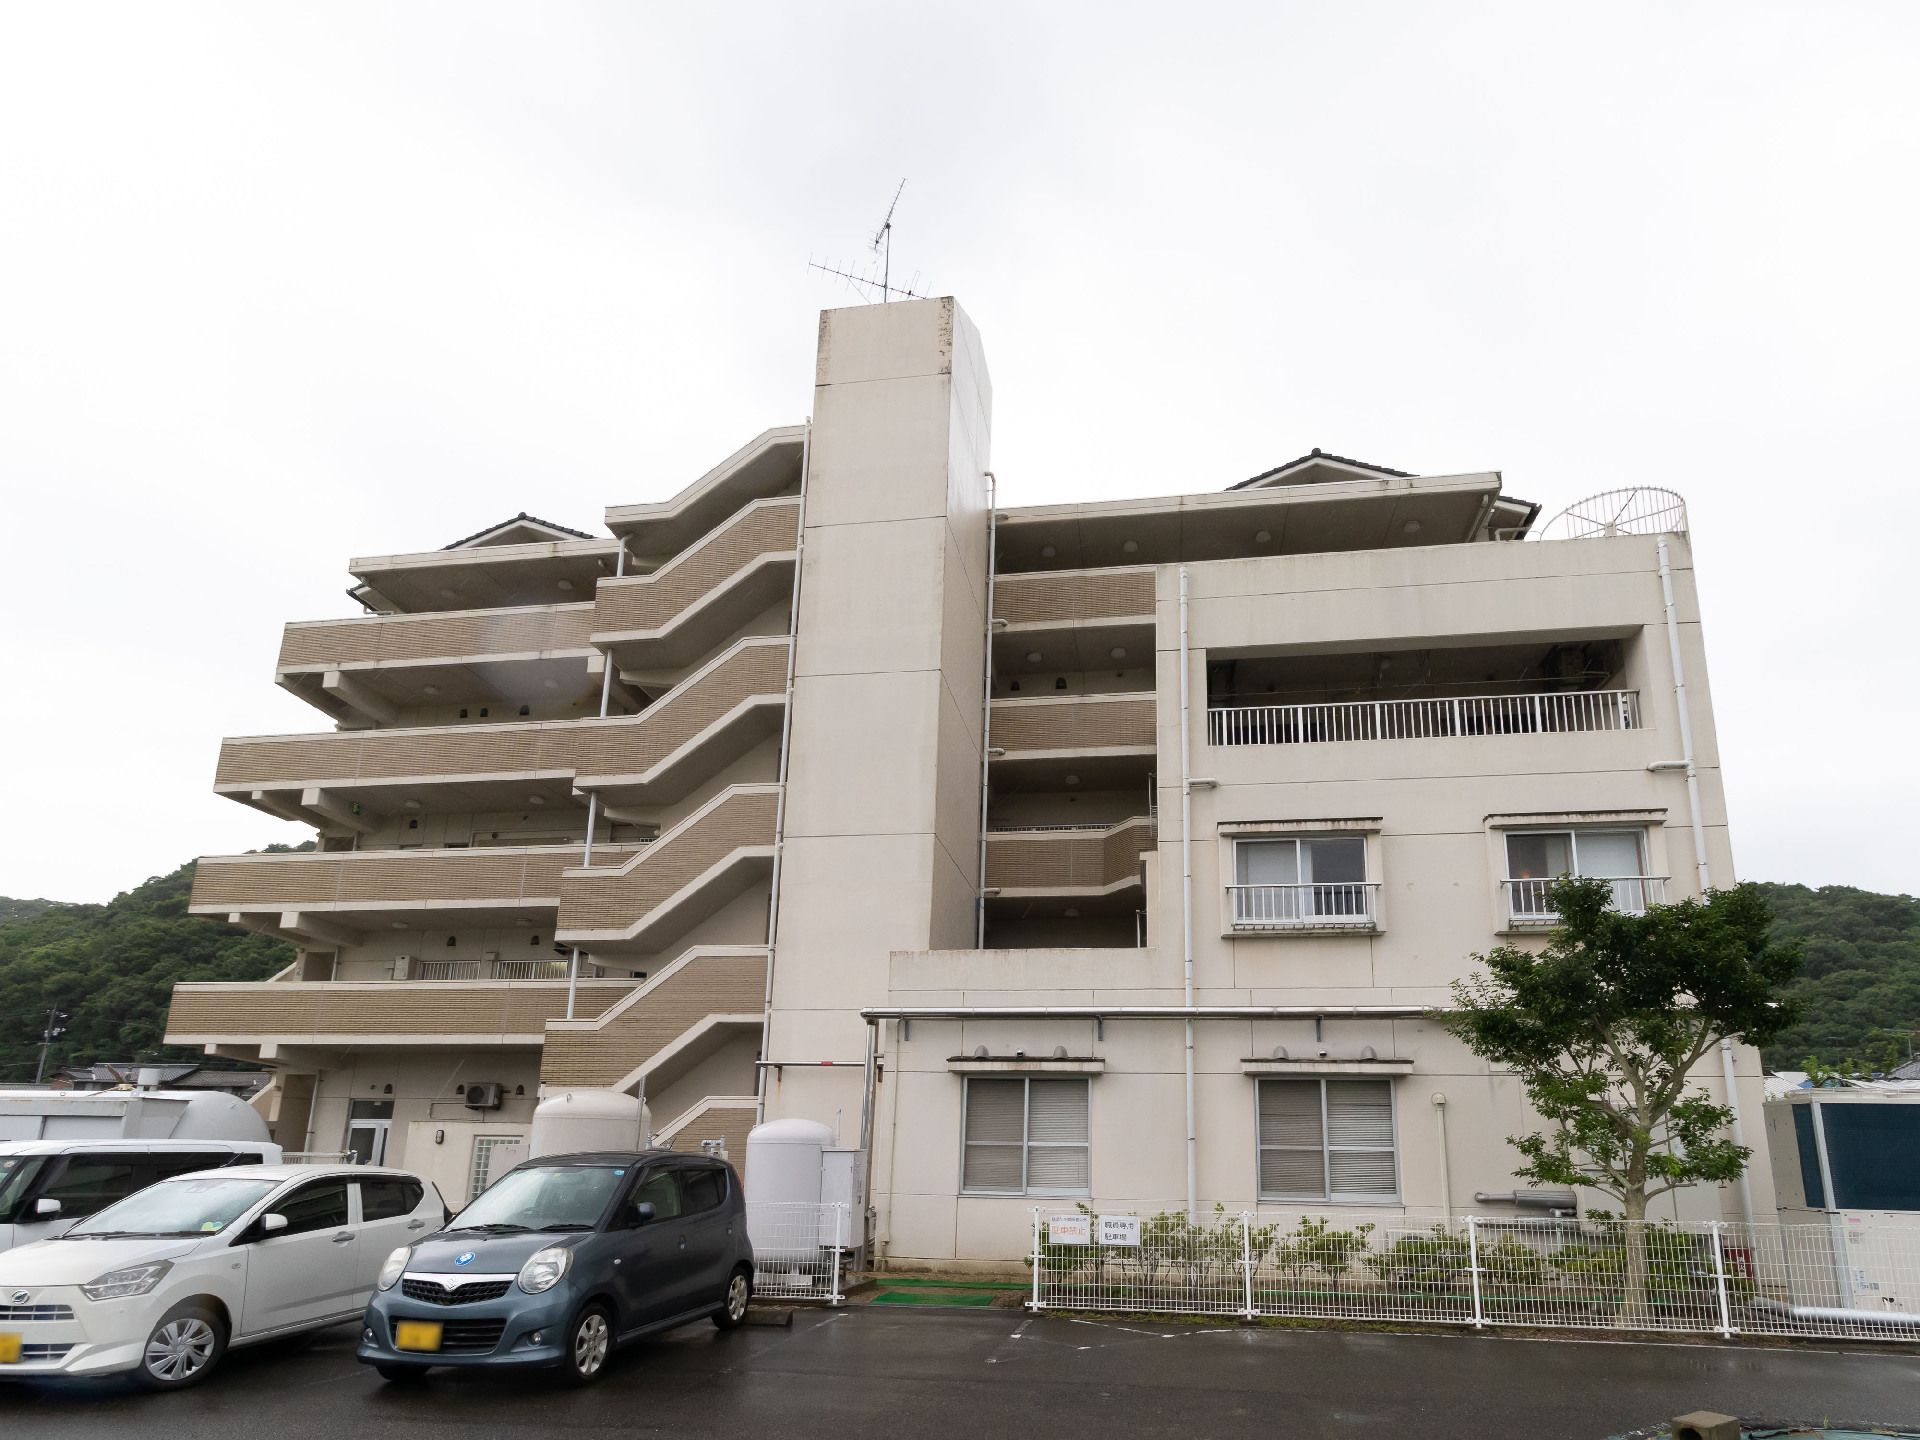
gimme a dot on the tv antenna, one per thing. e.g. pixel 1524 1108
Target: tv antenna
pixel 882 246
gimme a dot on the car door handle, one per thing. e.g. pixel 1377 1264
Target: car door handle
pixel 345 1238
pixel 417 1225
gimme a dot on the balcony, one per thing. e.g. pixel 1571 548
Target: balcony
pixel 1091 742
pixel 1082 621
pixel 1089 861
pixel 680 612
pixel 1534 713
pixel 1308 908
pixel 708 991
pixel 1529 902
pixel 324 898
pixel 653 757
pixel 643 906
pixel 371 668
pixel 490 970
pixel 485 576
pixel 333 1013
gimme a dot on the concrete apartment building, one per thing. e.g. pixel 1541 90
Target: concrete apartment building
pixel 1108 852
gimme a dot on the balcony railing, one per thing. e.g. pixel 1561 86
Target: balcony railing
pixel 1530 902
pixel 1566 712
pixel 1335 905
pixel 1068 857
pixel 497 970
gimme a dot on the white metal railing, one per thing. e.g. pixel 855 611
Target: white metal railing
pixel 1530 902
pixel 1704 1277
pixel 1015 827
pixel 1279 907
pixel 800 1251
pixel 494 970
pixel 1545 712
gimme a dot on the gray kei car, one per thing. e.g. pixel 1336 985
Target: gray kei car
pixel 562 1259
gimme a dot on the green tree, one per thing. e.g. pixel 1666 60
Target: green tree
pixel 1603 1027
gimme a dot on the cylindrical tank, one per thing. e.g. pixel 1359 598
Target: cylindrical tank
pixel 784 1161
pixel 570 1122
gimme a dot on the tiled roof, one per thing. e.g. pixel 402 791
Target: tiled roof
pixel 515 520
pixel 1318 454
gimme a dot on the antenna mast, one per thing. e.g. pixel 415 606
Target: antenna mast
pixel 882 246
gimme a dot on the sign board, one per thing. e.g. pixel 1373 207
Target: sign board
pixel 1120 1230
pixel 1069 1230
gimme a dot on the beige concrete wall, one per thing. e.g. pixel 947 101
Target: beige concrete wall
pixel 423 1096
pixel 881 823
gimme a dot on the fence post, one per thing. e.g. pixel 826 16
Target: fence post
pixel 1034 1303
pixel 1720 1281
pixel 1473 1269
pixel 1246 1258
pixel 839 1251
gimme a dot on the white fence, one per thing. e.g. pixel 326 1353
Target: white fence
pixel 1333 904
pixel 1558 711
pixel 800 1251
pixel 1530 902
pixel 1721 1278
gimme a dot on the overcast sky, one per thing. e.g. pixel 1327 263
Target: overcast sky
pixel 284 284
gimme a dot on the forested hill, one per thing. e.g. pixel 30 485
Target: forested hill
pixel 112 968
pixel 1860 985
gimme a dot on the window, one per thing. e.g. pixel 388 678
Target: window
pixel 660 1189
pixel 1536 858
pixel 486 1156
pixel 1026 1136
pixel 1309 881
pixel 705 1189
pixel 319 1206
pixel 389 1199
pixel 85 1185
pixel 1327 1140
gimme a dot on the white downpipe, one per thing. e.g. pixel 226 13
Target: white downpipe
pixel 1186 895
pixel 1699 839
pixel 1446 1175
pixel 786 751
pixel 986 715
pixel 593 798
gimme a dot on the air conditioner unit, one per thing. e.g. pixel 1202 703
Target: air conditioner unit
pixel 402 966
pixel 484 1096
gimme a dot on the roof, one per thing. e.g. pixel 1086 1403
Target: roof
pixel 1318 455
pixel 523 518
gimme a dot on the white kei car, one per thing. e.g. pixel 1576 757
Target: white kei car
pixel 161 1283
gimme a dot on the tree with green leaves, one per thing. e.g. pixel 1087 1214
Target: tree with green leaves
pixel 1604 1027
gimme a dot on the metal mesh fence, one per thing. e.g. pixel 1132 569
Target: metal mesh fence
pixel 1851 1279
pixel 800 1251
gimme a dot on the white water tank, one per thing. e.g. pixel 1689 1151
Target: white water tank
pixel 785 1162
pixel 569 1122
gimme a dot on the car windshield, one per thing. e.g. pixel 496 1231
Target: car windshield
pixel 193 1205
pixel 543 1197
pixel 16 1177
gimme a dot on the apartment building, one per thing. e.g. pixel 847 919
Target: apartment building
pixel 1113 853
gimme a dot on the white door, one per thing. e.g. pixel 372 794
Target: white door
pixel 367 1141
pixel 393 1212
pixel 310 1270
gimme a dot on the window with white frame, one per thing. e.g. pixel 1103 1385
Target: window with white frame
pixel 1026 1135
pixel 1309 880
pixel 1537 858
pixel 1327 1139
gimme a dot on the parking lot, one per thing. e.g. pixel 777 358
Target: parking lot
pixel 942 1373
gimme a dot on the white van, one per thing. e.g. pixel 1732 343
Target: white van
pixel 47 1186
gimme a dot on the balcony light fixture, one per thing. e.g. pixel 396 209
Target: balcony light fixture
pixel 1261 537
pixel 564 584
pixel 1071 912
pixel 429 689
pixel 399 924
pixel 1047 552
pixel 1073 779
pixel 536 799
pixel 1412 527
pixel 551 684
pixel 411 804
pixel 1033 657
pixel 1130 546
pixel 1119 652
pixel 446 594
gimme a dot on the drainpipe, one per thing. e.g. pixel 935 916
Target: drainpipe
pixel 986 715
pixel 1186 895
pixel 593 797
pixel 786 749
pixel 1699 841
pixel 1446 1177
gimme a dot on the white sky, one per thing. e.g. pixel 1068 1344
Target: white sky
pixel 285 284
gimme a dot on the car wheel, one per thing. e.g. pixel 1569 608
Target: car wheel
pixel 732 1313
pixel 401 1374
pixel 181 1350
pixel 589 1343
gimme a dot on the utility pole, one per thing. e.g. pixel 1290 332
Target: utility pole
pixel 52 1032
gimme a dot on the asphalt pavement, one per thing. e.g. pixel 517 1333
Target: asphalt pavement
pixel 925 1373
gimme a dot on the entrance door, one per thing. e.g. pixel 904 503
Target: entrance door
pixel 368 1122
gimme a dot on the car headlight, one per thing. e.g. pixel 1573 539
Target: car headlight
pixel 396 1265
pixel 544 1269
pixel 134 1280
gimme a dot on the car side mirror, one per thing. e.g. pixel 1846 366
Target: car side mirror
pixel 46 1209
pixel 640 1212
pixel 272 1224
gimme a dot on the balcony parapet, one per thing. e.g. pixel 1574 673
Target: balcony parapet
pixel 1067 597
pixel 1075 724
pixel 705 988
pixel 1058 860
pixel 1543 712
pixel 389 1012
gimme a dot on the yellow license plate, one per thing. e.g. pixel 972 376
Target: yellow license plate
pixel 417 1335
pixel 9 1349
